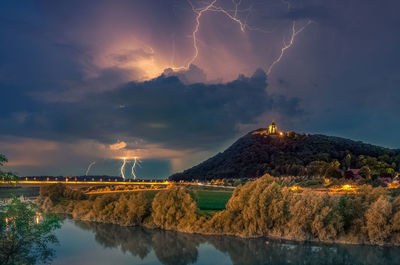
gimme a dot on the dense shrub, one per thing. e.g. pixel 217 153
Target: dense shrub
pixel 174 209
pixel 126 209
pixel 53 194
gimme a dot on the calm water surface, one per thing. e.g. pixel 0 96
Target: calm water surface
pixel 93 243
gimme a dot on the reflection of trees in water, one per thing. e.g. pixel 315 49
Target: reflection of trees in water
pixel 178 248
pixel 256 251
pixel 135 240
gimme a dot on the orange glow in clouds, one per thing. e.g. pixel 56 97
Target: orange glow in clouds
pixel 118 146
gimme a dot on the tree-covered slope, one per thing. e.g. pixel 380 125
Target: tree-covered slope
pixel 256 154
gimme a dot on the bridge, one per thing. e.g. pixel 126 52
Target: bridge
pixel 93 186
pixel 84 183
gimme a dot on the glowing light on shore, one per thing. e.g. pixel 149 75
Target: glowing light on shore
pixel 346 187
pixel 38 217
pixel 295 188
pixel 393 185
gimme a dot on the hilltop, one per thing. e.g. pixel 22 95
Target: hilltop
pixel 278 153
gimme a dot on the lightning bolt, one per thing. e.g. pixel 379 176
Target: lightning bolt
pixel 213 8
pixel 232 14
pixel 123 168
pixel 237 4
pixel 243 26
pixel 135 161
pixel 196 29
pixel 89 167
pixel 293 35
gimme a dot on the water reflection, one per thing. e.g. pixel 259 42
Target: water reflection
pixel 179 248
pixel 170 247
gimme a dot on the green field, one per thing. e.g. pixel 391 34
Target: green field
pixel 212 200
pixel 209 201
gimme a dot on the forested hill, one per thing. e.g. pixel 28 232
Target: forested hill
pixel 255 154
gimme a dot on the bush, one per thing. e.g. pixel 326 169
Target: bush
pixel 378 221
pixel 174 209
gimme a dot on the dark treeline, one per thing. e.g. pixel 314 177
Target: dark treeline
pixel 264 207
pixel 174 248
pixel 294 154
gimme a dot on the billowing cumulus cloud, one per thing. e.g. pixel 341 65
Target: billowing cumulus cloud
pixel 162 118
pixel 163 110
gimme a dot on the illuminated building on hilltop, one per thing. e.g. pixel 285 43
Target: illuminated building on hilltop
pixel 272 130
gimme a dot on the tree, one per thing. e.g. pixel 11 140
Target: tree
pixel 6 176
pixel 365 172
pixel 333 170
pixel 347 161
pixel 3 160
pixel 317 168
pixel 378 224
pixel 23 238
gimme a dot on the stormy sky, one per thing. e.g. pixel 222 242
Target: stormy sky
pixel 173 82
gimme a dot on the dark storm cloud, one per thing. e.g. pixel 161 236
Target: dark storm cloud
pixel 163 110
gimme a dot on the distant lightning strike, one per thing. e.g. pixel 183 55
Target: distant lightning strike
pixel 89 167
pixel 288 45
pixel 135 161
pixel 123 168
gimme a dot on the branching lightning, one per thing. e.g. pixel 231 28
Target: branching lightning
pixel 196 29
pixel 213 8
pixel 136 162
pixel 236 6
pixel 294 33
pixel 286 46
pixel 89 167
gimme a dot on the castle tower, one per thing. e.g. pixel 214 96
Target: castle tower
pixel 272 129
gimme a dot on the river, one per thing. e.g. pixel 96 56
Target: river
pixel 94 243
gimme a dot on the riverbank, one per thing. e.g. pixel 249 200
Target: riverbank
pixel 83 242
pixel 261 208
